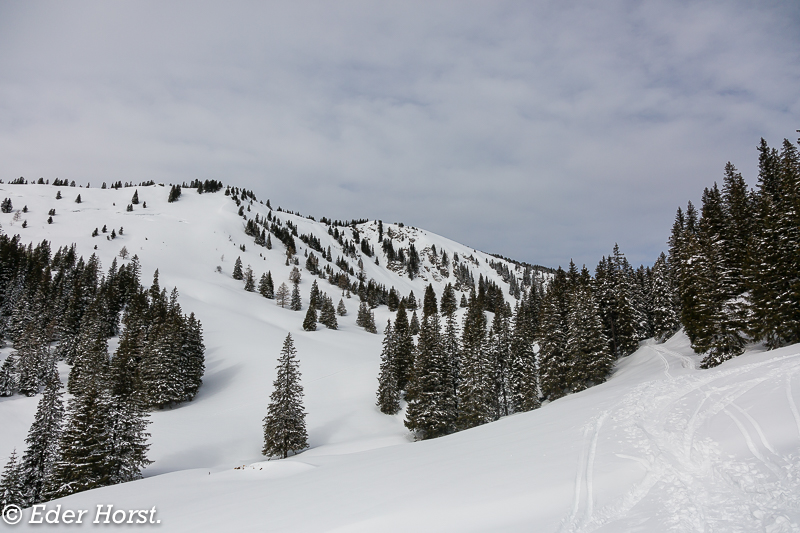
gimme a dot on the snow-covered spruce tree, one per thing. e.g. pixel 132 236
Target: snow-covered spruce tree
pixel 8 377
pixel 429 304
pixel 451 345
pixel 414 324
pixel 282 295
pixel 665 320
pixel 388 393
pixel 11 488
pixel 314 299
pixel 522 372
pixel 160 366
pixel 91 353
pixel 174 193
pixel 327 315
pixel 476 400
pixel 266 287
pixel 285 425
pixel 237 269
pixel 773 273
pixel 86 444
pixel 135 198
pixel 431 409
pixel 43 440
pixel 249 280
pixel 404 347
pixel 296 303
pixel 341 309
pixel 717 332
pixel 192 360
pixel 589 359
pixel 500 356
pixel 310 322
pixel 553 364
pixel 32 359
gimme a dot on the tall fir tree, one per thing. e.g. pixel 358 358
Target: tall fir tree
pixel 553 329
pixel 266 287
pixel 11 487
pixel 476 400
pixel 238 272
pixel 404 348
pixel 284 425
pixel 388 393
pixel 432 405
pixel 523 374
pixel 586 352
pixel 43 442
pixel 296 303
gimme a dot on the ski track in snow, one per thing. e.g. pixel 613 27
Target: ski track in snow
pixel 696 486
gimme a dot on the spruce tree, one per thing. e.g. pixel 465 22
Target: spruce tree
pixel 86 444
pixel 588 357
pixel 43 440
pixel 522 372
pixel 665 319
pixel 284 425
pixel 429 305
pixel 476 400
pixel 8 377
pixel 266 287
pixel 296 303
pixel 327 315
pixel 553 362
pixel 414 325
pixel 237 269
pixel 448 305
pixel 404 348
pixel 310 322
pixel 500 357
pixel 341 309
pixel 91 353
pixel 135 198
pixel 388 392
pixel 249 280
pixel 11 487
pixel 432 404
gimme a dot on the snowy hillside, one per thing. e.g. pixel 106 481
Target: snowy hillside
pixel 661 446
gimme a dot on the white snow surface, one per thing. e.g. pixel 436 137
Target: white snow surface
pixel 662 446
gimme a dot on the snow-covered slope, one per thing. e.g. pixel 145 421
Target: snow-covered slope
pixel 661 446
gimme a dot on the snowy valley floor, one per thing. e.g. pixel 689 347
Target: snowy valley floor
pixel 662 446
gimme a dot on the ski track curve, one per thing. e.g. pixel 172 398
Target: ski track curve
pixel 701 488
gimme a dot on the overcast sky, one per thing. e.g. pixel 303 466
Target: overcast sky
pixel 539 130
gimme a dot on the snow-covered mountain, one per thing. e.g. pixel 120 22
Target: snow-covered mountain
pixel 661 446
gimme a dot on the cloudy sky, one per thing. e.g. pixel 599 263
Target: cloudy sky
pixel 540 130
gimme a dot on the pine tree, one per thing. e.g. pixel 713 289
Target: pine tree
pixel 341 309
pixel 296 303
pixel 135 198
pixel 314 296
pixel 388 393
pixel 43 442
pixel 448 305
pixel 284 425
pixel 432 404
pixel 237 269
pixel 11 487
pixel 282 295
pixel 192 361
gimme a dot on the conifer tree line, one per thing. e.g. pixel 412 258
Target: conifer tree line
pixel 56 307
pixel 735 264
